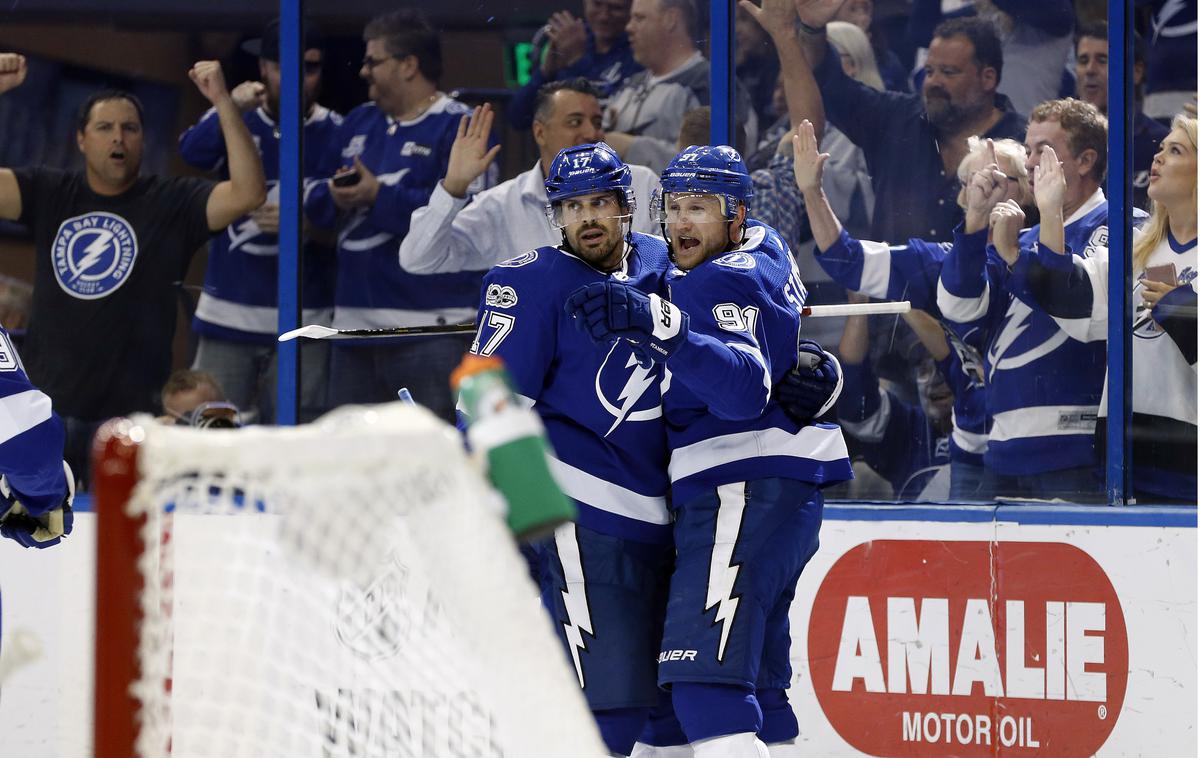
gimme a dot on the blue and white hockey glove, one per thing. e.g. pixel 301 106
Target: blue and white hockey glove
pixel 609 311
pixel 45 530
pixel 810 389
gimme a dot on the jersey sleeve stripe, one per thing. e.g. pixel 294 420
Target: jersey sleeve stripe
pixel 21 412
pixel 963 310
pixel 876 269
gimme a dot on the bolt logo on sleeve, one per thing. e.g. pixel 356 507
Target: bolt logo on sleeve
pixel 93 254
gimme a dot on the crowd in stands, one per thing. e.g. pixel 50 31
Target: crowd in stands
pixel 957 161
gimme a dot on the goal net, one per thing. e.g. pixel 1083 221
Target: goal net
pixel 345 588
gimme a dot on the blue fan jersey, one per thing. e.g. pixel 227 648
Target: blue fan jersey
pixel 744 322
pixel 31 437
pixel 1043 388
pixel 600 408
pixel 241 285
pixel 910 272
pixel 408 158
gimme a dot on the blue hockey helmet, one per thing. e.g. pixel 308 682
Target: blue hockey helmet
pixel 588 168
pixel 708 170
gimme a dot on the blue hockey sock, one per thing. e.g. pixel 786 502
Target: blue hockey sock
pixel 708 710
pixel 779 721
pixel 620 727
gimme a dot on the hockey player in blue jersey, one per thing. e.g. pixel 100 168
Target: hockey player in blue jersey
pixel 1043 388
pixel 603 579
pixel 910 272
pixel 746 478
pixel 36 485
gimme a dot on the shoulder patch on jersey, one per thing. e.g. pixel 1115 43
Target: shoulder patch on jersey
pixel 736 260
pixel 93 254
pixel 520 260
pixel 501 296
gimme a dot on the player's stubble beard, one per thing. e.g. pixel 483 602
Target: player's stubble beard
pixel 607 254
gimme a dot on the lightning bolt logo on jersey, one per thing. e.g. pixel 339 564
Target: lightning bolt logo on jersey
pixel 93 254
pixel 601 409
pixel 1042 387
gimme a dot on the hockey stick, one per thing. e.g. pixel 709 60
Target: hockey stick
pixel 318 332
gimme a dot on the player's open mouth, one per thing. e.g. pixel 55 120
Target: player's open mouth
pixel 592 235
pixel 117 155
pixel 687 243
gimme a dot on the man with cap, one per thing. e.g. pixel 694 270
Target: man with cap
pixel 237 316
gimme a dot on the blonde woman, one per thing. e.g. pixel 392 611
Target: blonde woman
pixel 1075 291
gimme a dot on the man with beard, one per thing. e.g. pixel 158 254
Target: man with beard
pixel 237 317
pixel 604 578
pixel 914 143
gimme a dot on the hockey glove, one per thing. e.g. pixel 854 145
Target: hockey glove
pixel 812 386
pixel 609 311
pixel 46 530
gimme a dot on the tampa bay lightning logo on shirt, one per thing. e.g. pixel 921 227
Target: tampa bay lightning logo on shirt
pixel 93 254
pixel 621 386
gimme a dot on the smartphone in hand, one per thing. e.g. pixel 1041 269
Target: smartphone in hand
pixel 347 179
pixel 1165 273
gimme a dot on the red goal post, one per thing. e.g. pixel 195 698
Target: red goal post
pixel 347 587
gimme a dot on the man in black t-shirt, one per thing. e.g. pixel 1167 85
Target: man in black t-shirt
pixel 112 247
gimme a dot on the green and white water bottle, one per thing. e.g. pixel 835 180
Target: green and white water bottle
pixel 513 441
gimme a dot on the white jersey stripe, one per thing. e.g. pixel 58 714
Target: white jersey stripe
pixel 252 318
pixel 876 270
pixel 594 491
pixel 963 310
pixel 1043 421
pixel 381 318
pixel 21 412
pixel 815 443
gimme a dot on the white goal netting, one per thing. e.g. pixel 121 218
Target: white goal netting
pixel 346 588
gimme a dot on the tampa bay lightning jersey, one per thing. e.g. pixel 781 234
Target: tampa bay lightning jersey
pixel 1043 387
pixel 910 272
pixel 601 410
pixel 31 437
pixel 240 297
pixel 744 323
pixel 408 158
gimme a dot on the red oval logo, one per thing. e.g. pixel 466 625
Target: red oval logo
pixel 924 648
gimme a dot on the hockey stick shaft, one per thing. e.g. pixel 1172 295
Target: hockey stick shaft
pixel 318 332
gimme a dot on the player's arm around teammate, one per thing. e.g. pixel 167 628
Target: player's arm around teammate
pixel 745 476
